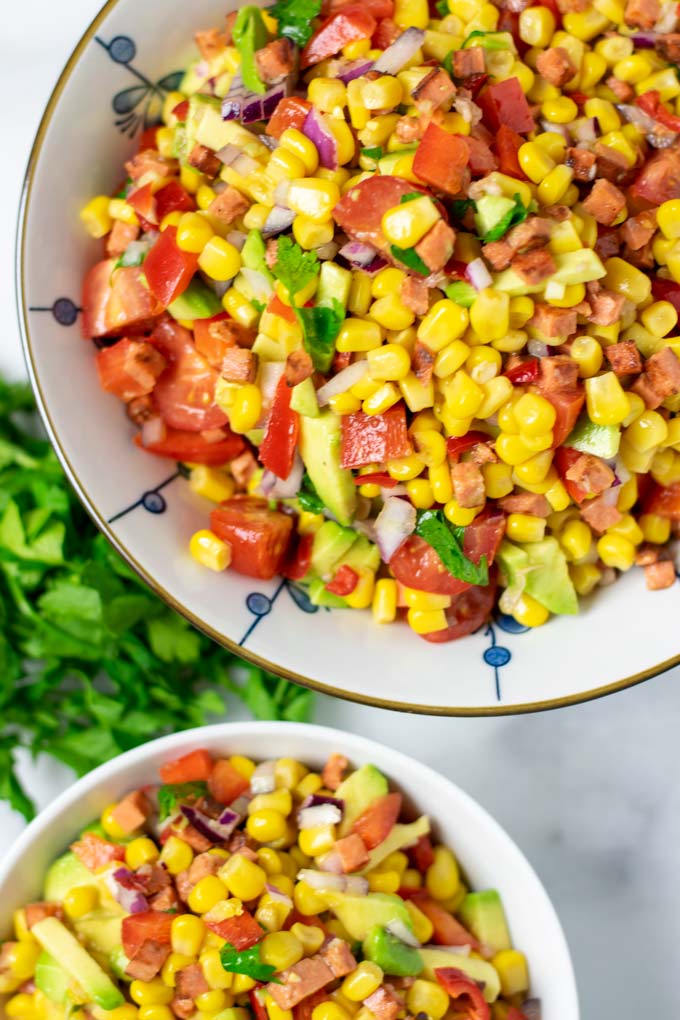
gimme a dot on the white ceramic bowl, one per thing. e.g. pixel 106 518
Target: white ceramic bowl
pixel 112 82
pixel 487 854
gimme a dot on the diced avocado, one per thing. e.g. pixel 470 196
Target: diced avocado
pixel 180 143
pixel 578 267
pixel 101 931
pixel 391 955
pixel 362 555
pixel 401 836
pixel 359 915
pixel 59 942
pixel 600 440
pixel 482 913
pixel 479 970
pixel 303 399
pixel 320 596
pixel 543 568
pixel 359 790
pixel 268 349
pixel 255 436
pixel 253 254
pixel 204 123
pixel 490 211
pixel 118 962
pixel 331 542
pixel 51 979
pixel 198 301
pixel 320 440
pixel 63 875
pixel 334 284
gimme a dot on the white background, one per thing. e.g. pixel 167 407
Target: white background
pixel 590 793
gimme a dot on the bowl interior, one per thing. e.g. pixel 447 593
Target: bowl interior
pixel 487 854
pixel 113 86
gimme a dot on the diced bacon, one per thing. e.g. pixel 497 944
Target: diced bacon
pixel 239 366
pixel 498 254
pixel 338 957
pixel 165 901
pixel 605 202
pixel 590 474
pixel 302 979
pixel 203 865
pixel 481 453
pixel 196 840
pixel 621 89
pixel 647 554
pixel 333 771
pixel 607 243
pixel 663 372
pixel 210 42
pixel 39 911
pixel 352 852
pixel 132 811
pixel 276 60
pixel 434 92
pixel 572 6
pixel 151 162
pixel 557 212
pixel 553 322
pixel 415 295
pixel 386 33
pixel 411 129
pixel 148 960
pixel 643 258
pixel 183 1008
pixel 556 66
pixel 205 160
pixel 122 234
pixel 660 575
pixel 96 853
pixel 228 206
pixel 534 266
pixel 230 21
pixel 423 360
pixel 384 1004
pixel 582 162
pixel 469 61
pixel 436 248
pixel 271 254
pixel 642 13
pixel 605 305
pixel 668 47
pixel 612 164
pixel 299 366
pixel 533 233
pixel 129 368
pixel 558 373
pixel 525 503
pixel 599 514
pixel 624 358
pixel 190 983
pixel 243 468
pixel 468 484
pixel 643 387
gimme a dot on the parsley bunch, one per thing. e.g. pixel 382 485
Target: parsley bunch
pixel 91 662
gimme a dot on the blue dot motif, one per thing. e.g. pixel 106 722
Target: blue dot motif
pixel 497 656
pixel 258 604
pixel 122 49
pixel 154 502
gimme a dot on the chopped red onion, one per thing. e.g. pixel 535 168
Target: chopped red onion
pixel 317 130
pixel 241 104
pixel 228 154
pixel 454 950
pixel 607 577
pixel 270 374
pixel 279 219
pixel 398 929
pixel 260 284
pixel 558 129
pixel 220 287
pixel 237 238
pixel 356 885
pixel 400 52
pixel 658 135
pixel 610 497
pixel 585 130
pixel 153 431
pixel 241 804
pixel 121 886
pixel 262 779
pixel 216 830
pixel 354 70
pixel 478 275
pixel 341 382
pixel 314 799
pixel 245 165
pixel 393 525
pixel 532 1009
pixel 358 254
pixel 281 192
pixel 322 880
pixel 644 40
pixel 396 490
pixel 331 862
pixel 327 252
pixel 321 814
pixel 276 894
pixel 468 109
pixel 538 349
pixel 284 488
pixel 621 471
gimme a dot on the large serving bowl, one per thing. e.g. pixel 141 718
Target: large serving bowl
pixel 111 87
pixel 486 853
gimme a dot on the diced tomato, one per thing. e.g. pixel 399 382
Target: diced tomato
pixel 666 290
pixel 95 852
pixel 129 368
pixel 360 211
pixel 148 138
pixel 225 783
pixel 277 450
pixel 184 394
pixel 650 103
pixel 143 202
pixel 385 34
pixel 344 581
pixel 172 197
pixel 441 158
pixel 465 992
pixel 565 457
pixel 190 768
pixel 457 445
pixel 192 448
pixel 527 372
pixel 290 113
pixel 580 98
pixel 132 811
pixel 481 159
pixel 416 564
pixel 257 1003
pixel 467 613
pixel 421 855
pixel 352 23
pixel 516 1014
pixel 507 143
pixel 374 438
pixel 116 303
pixel 168 269
pixel 299 561
pixel 212 348
pixel 259 537
pixel 568 405
pixel 241 931
pixel 664 501
pixel 277 307
pixel 181 111
pixel 305 1009
pixel 341 359
pixel 484 536
pixel 377 821
pixel 504 102
pixel 149 926
pixel 378 8
pixel 659 178
pixel 474 83
pixel 380 478
pixel 508 21
pixel 447 931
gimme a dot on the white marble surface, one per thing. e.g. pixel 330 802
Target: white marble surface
pixel 590 793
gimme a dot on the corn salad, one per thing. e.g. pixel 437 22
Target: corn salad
pixel 242 891
pixel 402 291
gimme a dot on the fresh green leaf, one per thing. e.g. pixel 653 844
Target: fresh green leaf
pixel 411 196
pixel 135 257
pixel 294 268
pixel 246 961
pixel 308 497
pixel 464 294
pixel 488 40
pixel 516 215
pixel 410 258
pixel 442 8
pixel 459 206
pixel 373 153
pixel 295 18
pixel 172 794
pixel 250 34
pixel 447 63
pixel 321 326
pixel 447 542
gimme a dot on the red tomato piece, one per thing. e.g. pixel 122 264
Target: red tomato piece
pixel 344 581
pixel 467 613
pixel 659 179
pixel 193 767
pixel 242 931
pixel 192 448
pixel 168 269
pixel 568 405
pixel 374 438
pixel 117 302
pixel 666 290
pixel 259 537
pixel 361 210
pixel 129 368
pixel 457 445
pixel 441 158
pixel 380 478
pixel 143 202
pixel 257 1004
pixel 225 783
pixel 416 565
pixel 465 992
pixel 181 111
pixel 290 113
pixel 305 1009
pixel 484 536
pixel 378 8
pixel 298 564
pixel 421 855
pixel 173 198
pixel 148 138
pixel 212 348
pixel 95 852
pixel 507 143
pixel 566 457
pixel 516 1014
pixel 650 103
pixel 277 307
pixel 447 931
pixel 277 450
pixel 482 160
pixel 504 102
pixel 508 21
pixel 350 24
pixel 385 34
pixel 527 372
pixel 377 821
pixel 185 393
pixel 149 926
pixel 664 501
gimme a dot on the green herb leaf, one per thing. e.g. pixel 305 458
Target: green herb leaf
pixel 374 153
pixel 172 794
pixel 459 206
pixel 246 961
pixel 249 35
pixel 308 497
pixel 294 268
pixel 130 258
pixel 488 40
pixel 442 8
pixel 321 326
pixel 410 258
pixel 447 542
pixel 461 292
pixel 295 18
pixel 411 196
pixel 447 63
pixel 516 215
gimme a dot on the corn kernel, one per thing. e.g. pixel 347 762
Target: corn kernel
pixel 427 621
pixel 389 363
pixel 512 969
pixel 215 485
pixel 316 841
pixel 585 577
pixel 80 901
pixel 193 232
pixel 529 612
pixel 444 323
pixel 525 528
pixel 627 280
pixel 151 993
pixel 358 335
pixel 314 199
pixel 535 162
pixel 655 529
pixel 429 998
pixel 442 877
pixel 140 852
pixel 119 209
pixel 210 551
pixel 206 894
pixel 96 216
pixel 490 314
pixel 384 606
pixel 405 225
pixel 391 313
pixel 187 933
pixel 616 551
pixel 176 855
pixel 420 493
pixel 606 401
pixel 219 259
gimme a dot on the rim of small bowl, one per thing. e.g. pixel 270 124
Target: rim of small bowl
pixel 350 743
pixel 221 639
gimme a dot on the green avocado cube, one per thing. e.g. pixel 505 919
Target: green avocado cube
pixel 391 955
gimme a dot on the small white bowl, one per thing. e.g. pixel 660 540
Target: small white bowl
pixel 487 855
pixel 115 78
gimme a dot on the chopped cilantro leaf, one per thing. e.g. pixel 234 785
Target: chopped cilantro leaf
pixel 410 258
pixel 411 196
pixel 294 268
pixel 447 542
pixel 516 215
pixel 171 795
pixel 308 497
pixel 374 153
pixel 442 8
pixel 246 961
pixel 295 18
pixel 459 206
pixel 488 40
pixel 447 63
pixel 321 326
